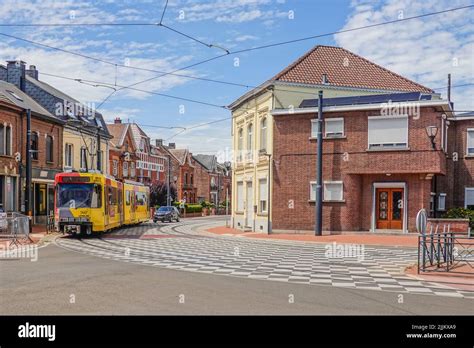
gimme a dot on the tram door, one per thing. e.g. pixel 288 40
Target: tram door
pixel 132 206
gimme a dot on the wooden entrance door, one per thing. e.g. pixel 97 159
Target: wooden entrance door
pixel 389 208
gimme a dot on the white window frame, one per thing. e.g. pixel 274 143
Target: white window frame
pixel 263 134
pixel 312 193
pixel 338 182
pixel 114 167
pixel 443 207
pixel 465 195
pixel 263 199
pixel 69 147
pixel 314 128
pixel 83 158
pixel 333 135
pixel 125 169
pixel 467 142
pixel 381 146
pixel 240 196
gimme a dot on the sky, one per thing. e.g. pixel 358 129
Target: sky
pixel 424 50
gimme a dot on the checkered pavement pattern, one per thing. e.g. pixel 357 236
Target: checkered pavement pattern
pixel 181 247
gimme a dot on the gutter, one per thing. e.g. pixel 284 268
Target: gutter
pixel 313 110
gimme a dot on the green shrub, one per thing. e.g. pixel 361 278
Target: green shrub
pixel 461 213
pixel 193 208
pixel 206 204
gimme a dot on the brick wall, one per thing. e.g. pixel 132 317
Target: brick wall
pixel 202 182
pixel 348 160
pixel 12 117
pixel 45 128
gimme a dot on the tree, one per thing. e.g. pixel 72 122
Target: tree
pixel 158 193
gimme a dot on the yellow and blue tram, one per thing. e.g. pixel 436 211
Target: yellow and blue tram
pixel 92 203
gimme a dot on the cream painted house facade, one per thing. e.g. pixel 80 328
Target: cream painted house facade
pixel 80 151
pixel 335 71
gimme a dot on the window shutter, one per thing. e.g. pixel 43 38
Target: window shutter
pixel 470 141
pixel 263 189
pixel 312 192
pixel 334 126
pixel 390 130
pixel 333 191
pixel 240 196
pixel 469 197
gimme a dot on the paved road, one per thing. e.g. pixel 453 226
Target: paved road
pixel 65 280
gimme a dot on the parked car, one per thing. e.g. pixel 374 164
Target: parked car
pixel 166 214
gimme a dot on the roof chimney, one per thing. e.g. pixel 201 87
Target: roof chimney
pixel 32 72
pixel 325 80
pixel 118 120
pixel 158 142
pixel 16 73
pixel 172 145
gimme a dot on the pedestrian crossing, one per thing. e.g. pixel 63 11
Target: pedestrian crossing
pixel 182 247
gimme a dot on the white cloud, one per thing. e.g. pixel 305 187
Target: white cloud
pixel 424 50
pixel 227 11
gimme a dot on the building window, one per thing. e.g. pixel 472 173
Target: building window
pixel 83 158
pixel 470 142
pixel 388 132
pixel 132 169
pixel 469 198
pixel 5 140
pixel 333 191
pixel 240 145
pixel 263 135
pixel 49 148
pixel 442 201
pixel 114 167
pixel 314 128
pixel 185 178
pixel 125 169
pixel 240 196
pixel 334 127
pixel 2 139
pixel 34 145
pixel 68 153
pixel 263 195
pixel 249 137
pixel 192 180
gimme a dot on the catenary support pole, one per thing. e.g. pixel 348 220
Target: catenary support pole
pixel 318 229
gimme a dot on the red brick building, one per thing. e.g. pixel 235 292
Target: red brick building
pixel 46 144
pixel 183 176
pixel 379 168
pixel 213 180
pixel 122 151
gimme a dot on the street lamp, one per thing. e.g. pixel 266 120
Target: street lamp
pixel 432 131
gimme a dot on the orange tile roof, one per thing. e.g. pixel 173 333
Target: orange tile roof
pixel 116 130
pixel 346 69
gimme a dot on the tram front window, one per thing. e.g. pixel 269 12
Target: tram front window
pixel 79 196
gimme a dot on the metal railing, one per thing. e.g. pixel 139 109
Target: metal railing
pixel 14 227
pixel 445 251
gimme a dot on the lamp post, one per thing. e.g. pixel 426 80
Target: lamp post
pixel 431 132
pixel 318 227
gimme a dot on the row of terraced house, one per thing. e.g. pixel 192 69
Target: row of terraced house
pixel 390 148
pixel 68 135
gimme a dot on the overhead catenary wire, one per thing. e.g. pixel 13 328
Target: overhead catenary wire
pixel 164 11
pixel 173 72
